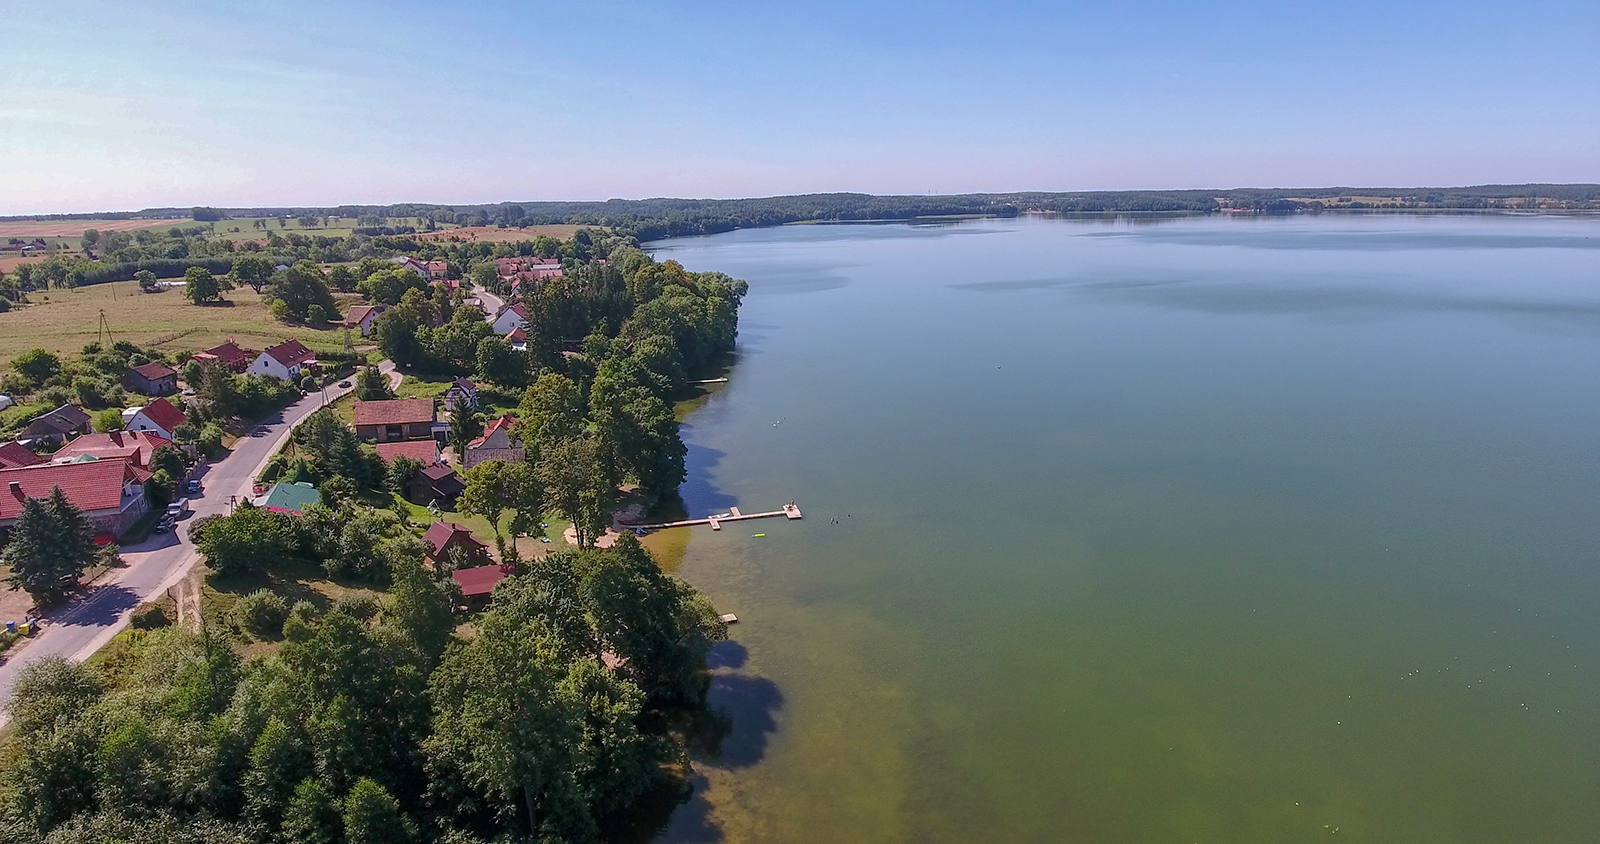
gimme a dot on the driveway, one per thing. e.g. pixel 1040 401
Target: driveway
pixel 84 626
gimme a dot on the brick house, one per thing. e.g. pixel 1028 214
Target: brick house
pixel 394 419
pixel 109 492
pixel 151 379
pixel 137 446
pixel 229 354
pixel 497 443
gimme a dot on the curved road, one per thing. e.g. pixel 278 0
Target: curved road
pixel 153 566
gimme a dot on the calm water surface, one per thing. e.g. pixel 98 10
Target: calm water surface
pixel 1203 530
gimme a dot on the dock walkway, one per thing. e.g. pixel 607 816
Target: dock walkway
pixel 790 511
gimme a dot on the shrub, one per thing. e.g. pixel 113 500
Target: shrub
pixel 261 614
pixel 297 627
pixel 109 419
pixel 149 617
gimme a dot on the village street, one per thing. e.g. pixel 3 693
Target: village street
pixel 84 626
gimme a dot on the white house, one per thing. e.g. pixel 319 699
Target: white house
pixel 414 265
pixel 285 361
pixel 363 316
pixel 510 318
pixel 158 417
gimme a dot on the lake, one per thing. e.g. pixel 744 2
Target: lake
pixel 1137 530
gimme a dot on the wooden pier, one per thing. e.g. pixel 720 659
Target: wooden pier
pixel 789 511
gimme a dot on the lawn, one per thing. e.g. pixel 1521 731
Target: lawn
pixel 64 321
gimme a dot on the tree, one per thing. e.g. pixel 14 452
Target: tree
pixel 466 425
pixel 278 764
pixel 36 365
pixel 420 605
pixel 636 428
pixel 147 280
pixel 494 487
pixel 249 539
pixel 109 419
pixel 51 690
pixel 301 286
pixel 372 385
pixel 51 544
pixel 311 816
pixel 551 410
pixel 402 471
pixel 498 362
pixel 398 327
pixel 253 270
pixel 579 485
pixel 201 287
pixel 340 278
pixel 372 816
pixel 217 390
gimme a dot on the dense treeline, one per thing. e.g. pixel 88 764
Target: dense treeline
pixel 649 218
pixel 374 722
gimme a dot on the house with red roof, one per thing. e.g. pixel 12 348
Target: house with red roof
pixel 285 361
pixel 518 339
pixel 394 419
pixel 510 318
pixel 441 537
pixel 497 443
pixel 229 354
pixel 425 452
pixel 362 317
pixel 435 270
pixel 137 446
pixel 15 455
pixel 478 583
pixel 151 379
pixel 159 417
pixel 462 390
pixel 109 492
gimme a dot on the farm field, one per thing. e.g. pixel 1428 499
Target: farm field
pixel 495 234
pixel 63 321
pixel 76 228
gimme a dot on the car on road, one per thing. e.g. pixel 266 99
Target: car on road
pixel 163 525
pixel 344 383
pixel 194 488
pixel 176 509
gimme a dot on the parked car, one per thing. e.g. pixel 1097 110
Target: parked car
pixel 163 525
pixel 344 383
pixel 176 509
pixel 194 488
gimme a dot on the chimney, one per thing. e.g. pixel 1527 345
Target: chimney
pixel 16 491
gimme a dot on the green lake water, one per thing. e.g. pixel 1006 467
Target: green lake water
pixel 1193 530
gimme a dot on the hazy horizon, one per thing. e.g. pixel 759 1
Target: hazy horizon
pixel 112 107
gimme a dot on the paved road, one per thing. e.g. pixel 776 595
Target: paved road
pixel 491 302
pixel 83 627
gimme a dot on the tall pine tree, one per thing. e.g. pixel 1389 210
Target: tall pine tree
pixel 51 544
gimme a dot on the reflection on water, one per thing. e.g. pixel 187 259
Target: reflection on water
pixel 1191 529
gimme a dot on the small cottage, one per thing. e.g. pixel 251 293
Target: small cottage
pixel 151 379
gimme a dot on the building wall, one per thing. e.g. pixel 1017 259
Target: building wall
pixel 474 456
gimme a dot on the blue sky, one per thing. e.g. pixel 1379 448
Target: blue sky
pixel 128 105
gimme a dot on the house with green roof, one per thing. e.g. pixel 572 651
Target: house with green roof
pixel 290 498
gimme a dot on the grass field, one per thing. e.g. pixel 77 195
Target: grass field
pixel 64 321
pixel 495 234
pixel 333 227
pixel 76 228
